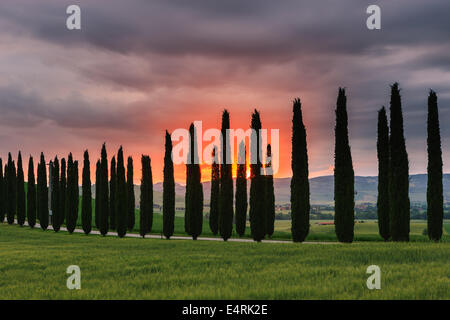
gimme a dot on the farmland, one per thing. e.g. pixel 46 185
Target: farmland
pixel 33 266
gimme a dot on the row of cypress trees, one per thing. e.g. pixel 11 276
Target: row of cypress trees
pixel 393 182
pixel 65 194
pixel 262 196
pixel 114 202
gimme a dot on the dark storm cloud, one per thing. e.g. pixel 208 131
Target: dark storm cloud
pixel 20 108
pixel 233 28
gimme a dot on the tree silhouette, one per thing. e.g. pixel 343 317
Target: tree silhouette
pixel 168 190
pixel 21 210
pixel 121 194
pixel 130 194
pixel 398 172
pixel 435 198
pixel 112 195
pixel 344 201
pixel 269 204
pixel 56 219
pixel 31 195
pixel 300 204
pixel 241 191
pixel 11 190
pixel 104 193
pixel 146 199
pixel 194 189
pixel 62 191
pixel 214 199
pixel 42 191
pixel 257 223
pixel 383 175
pixel 86 203
pixel 226 183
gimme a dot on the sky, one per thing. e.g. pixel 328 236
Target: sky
pixel 137 68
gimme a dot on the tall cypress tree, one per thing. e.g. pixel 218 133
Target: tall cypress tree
pixel 194 202
pixel 241 191
pixel 56 213
pixel 269 201
pixel 104 194
pixel 435 198
pixel 121 196
pixel 257 224
pixel 226 182
pixel 62 192
pixel 21 209
pixel 130 194
pixel 149 178
pixel 2 194
pixel 42 191
pixel 71 195
pixel 168 190
pixel 300 203
pixel 11 190
pixel 215 185
pixel 383 175
pixel 86 203
pixel 146 198
pixel 112 195
pixel 97 195
pixel 344 190
pixel 31 195
pixel 398 172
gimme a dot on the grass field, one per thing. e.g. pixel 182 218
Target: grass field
pixel 366 231
pixel 33 266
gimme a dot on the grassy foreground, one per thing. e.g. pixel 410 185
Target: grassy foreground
pixel 33 266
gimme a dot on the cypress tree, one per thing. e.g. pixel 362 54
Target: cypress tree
pixel 104 194
pixel 168 190
pixel 344 190
pixel 62 192
pixel 226 182
pixel 31 195
pixel 194 201
pixel 241 191
pixel 97 195
pixel 21 209
pixel 71 194
pixel 42 191
pixel 150 195
pixel 257 225
pixel 11 190
pixel 269 204
pixel 2 194
pixel 300 203
pixel 121 196
pixel 146 198
pixel 56 213
pixel 383 175
pixel 112 195
pixel 5 187
pixel 398 171
pixel 130 194
pixel 215 185
pixel 187 197
pixel 435 198
pixel 86 203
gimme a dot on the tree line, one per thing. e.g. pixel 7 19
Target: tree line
pixel 115 200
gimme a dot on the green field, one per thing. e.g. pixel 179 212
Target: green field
pixel 33 266
pixel 364 231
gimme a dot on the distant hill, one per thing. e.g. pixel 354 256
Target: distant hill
pixel 321 190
